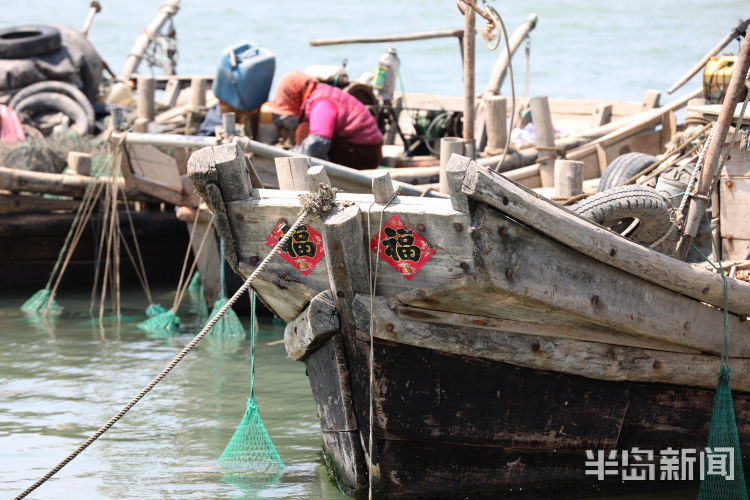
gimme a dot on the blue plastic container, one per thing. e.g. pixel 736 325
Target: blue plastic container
pixel 244 77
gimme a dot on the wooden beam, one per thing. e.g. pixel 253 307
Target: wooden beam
pixel 601 244
pixel 312 328
pixel 545 137
pixel 382 187
pixel 568 178
pixel 587 359
pixel 448 146
pixel 292 173
pixel 19 203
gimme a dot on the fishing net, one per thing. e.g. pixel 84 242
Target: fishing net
pixel 46 154
pixel 38 302
pixel 229 325
pixel 723 456
pixel 722 474
pixel 154 310
pixel 251 451
pixel 195 283
pixel 164 324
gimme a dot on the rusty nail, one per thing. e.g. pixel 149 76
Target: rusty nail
pixel 535 346
pixel 335 244
pixel 705 290
pixel 502 230
pixel 612 252
pixel 420 228
pixel 389 327
pixel 239 217
pixel 254 259
pixel 657 364
pixel 509 273
pixel 340 294
pixel 505 200
pixel 464 266
pixel 341 266
pixel 458 227
pixel 729 184
pixel 595 299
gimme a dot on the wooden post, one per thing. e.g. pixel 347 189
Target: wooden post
pixel 382 186
pixel 602 115
pixel 568 178
pixel 229 124
pixel 292 173
pixel 545 137
pixel 668 129
pixel 118 117
pixel 496 115
pixel 197 103
pixel 448 146
pixel 651 99
pixel 79 163
pixel 316 175
pixel 455 172
pixel 469 54
pixel 171 91
pixel 146 89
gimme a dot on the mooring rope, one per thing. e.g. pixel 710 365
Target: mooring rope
pixel 305 213
pixel 373 283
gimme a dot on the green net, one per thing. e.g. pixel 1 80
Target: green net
pixel 37 303
pixel 722 470
pixel 155 309
pixel 164 324
pixel 229 325
pixel 722 474
pixel 251 451
pixel 195 283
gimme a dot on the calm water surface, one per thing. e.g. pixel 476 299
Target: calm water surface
pixel 61 381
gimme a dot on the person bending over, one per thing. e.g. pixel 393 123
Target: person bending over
pixel 329 123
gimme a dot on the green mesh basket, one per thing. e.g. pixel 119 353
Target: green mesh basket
pixel 38 302
pixel 164 324
pixel 251 450
pixel 228 325
pixel 154 310
pixel 723 434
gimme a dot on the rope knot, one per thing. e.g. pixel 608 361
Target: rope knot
pixel 319 202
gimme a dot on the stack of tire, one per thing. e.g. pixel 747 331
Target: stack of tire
pixel 50 69
pixel 638 212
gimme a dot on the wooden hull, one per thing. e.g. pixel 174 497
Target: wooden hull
pixel 448 425
pixel 530 336
pixel 30 244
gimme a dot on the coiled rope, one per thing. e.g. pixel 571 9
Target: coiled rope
pixel 317 205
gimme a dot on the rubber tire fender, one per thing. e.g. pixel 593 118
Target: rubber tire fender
pixel 53 101
pixel 628 202
pixel 21 42
pixel 624 167
pixel 64 88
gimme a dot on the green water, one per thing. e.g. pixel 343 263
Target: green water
pixel 62 380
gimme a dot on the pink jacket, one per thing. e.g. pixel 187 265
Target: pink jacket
pixel 353 122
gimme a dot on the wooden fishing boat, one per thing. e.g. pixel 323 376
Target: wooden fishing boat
pixel 509 335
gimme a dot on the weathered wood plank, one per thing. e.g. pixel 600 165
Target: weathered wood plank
pixel 545 137
pixel 545 330
pixel 524 276
pixel 568 178
pixel 312 327
pixel 329 380
pixel 455 172
pixel 281 293
pixel 382 187
pixel 150 163
pixel 19 203
pixel 434 219
pixel 292 172
pixel 601 244
pixel 576 357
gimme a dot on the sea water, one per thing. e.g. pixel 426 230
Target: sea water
pixel 61 380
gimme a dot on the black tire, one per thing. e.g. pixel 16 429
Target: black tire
pixel 52 101
pixel 59 87
pixel 637 212
pixel 21 42
pixel 623 168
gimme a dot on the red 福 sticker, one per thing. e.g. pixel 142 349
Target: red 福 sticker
pixel 401 247
pixel 303 250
